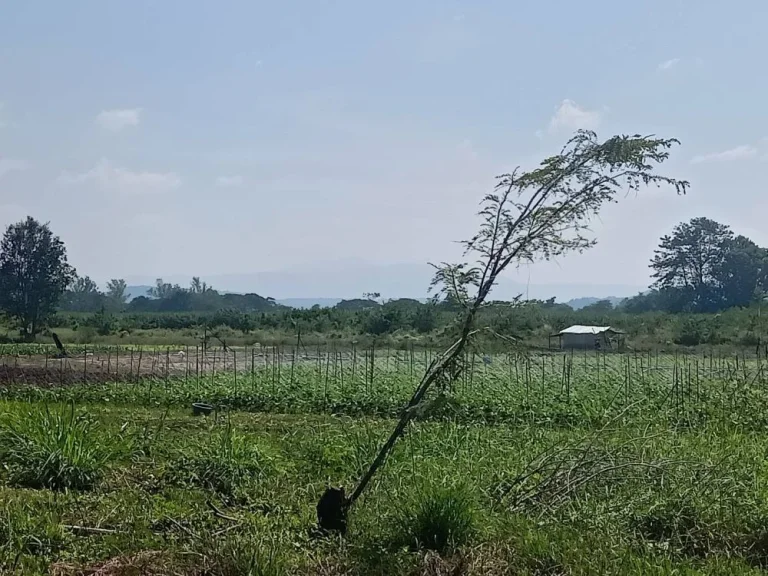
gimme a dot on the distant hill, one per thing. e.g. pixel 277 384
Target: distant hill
pixel 579 303
pixel 136 291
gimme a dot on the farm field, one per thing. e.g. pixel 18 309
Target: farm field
pixel 532 464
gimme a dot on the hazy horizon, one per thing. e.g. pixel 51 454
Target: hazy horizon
pixel 352 279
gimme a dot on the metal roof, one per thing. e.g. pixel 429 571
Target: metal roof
pixel 577 329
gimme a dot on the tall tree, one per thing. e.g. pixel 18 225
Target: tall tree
pixel 741 274
pixel 198 287
pixel 163 290
pixel 530 216
pixel 687 262
pixel 83 296
pixel 703 267
pixel 34 273
pixel 117 293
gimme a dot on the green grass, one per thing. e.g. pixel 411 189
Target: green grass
pixel 245 555
pixel 56 448
pixel 634 471
pixel 224 462
pixel 439 518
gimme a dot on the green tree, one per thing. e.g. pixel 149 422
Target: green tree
pixel 688 262
pixel 34 273
pixel 702 267
pixel 163 290
pixel 741 274
pixel 425 318
pixel 599 307
pixel 116 293
pixel 83 296
pixel 198 287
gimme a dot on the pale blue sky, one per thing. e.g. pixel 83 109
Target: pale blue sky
pixel 183 137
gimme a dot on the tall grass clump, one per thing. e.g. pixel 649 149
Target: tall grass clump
pixel 55 448
pixel 439 518
pixel 225 462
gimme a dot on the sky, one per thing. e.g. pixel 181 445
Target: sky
pixel 242 140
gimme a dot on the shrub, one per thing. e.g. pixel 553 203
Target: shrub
pixel 440 518
pixel 54 448
pixel 691 333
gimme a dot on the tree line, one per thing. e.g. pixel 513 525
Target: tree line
pixel 84 296
pixel 701 267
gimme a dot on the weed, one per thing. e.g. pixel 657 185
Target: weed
pixel 226 462
pixel 30 531
pixel 245 556
pixel 440 518
pixel 676 527
pixel 56 448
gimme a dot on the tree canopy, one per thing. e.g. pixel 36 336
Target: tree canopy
pixel 34 273
pixel 703 267
pixel 83 296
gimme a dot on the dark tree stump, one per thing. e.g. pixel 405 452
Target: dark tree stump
pixel 332 511
pixel 59 345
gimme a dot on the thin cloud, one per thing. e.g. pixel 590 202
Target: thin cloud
pixel 570 116
pixel 744 152
pixel 229 181
pixel 116 120
pixel 2 123
pixel 123 181
pixel 8 165
pixel 669 64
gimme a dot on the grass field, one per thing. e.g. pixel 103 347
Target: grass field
pixel 536 464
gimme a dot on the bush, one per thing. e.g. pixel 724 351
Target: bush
pixel 54 448
pixel 441 518
pixel 691 333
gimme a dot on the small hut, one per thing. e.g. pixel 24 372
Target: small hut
pixel 589 337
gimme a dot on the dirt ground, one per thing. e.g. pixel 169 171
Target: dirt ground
pixel 100 367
